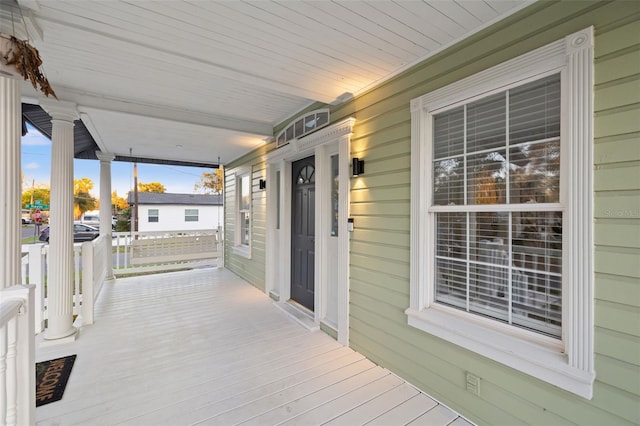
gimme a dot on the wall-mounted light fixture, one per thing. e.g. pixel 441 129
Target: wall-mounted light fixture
pixel 357 166
pixel 262 184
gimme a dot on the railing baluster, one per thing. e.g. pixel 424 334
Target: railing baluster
pixel 12 372
pixel 77 251
pixel 3 375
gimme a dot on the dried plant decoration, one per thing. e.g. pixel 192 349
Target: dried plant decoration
pixel 26 60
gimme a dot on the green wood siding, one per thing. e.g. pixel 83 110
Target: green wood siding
pixel 252 270
pixel 380 204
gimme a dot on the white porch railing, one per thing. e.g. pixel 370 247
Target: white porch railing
pixel 166 250
pixel 132 253
pixel 17 356
pixel 94 274
pixel 89 260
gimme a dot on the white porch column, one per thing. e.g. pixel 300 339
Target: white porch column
pixel 105 204
pixel 10 181
pixel 60 288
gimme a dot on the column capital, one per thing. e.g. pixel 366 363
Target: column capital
pixel 60 110
pixel 105 156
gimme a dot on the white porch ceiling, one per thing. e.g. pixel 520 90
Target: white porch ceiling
pixel 197 80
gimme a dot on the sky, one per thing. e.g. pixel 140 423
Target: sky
pixel 36 166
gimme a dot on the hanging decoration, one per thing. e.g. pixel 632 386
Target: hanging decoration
pixel 19 59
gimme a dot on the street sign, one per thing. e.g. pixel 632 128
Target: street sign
pixel 38 202
pixel 37 206
pixel 38 217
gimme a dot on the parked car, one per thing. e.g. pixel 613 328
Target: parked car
pixel 94 220
pixel 81 233
pixel 26 220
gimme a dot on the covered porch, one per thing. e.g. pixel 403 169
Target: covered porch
pixel 204 346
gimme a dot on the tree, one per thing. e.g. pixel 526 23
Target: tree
pixel 120 203
pixel 82 185
pixel 40 192
pixel 83 201
pixel 211 183
pixel 156 187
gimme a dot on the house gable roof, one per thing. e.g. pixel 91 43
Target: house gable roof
pixel 176 199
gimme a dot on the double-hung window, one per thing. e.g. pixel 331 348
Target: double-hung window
pixel 191 215
pixel 153 215
pixel 501 213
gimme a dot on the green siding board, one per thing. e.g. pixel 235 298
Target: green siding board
pixel 617 65
pixel 389 149
pixel 387 165
pixel 617 316
pixel 617 177
pixel 383 284
pixel 617 345
pixel 617 149
pixel 617 232
pixel 391 118
pixel 360 145
pixel 329 330
pixel 618 373
pixel 617 93
pixel 617 261
pixel 617 204
pixel 382 207
pixel 378 250
pixel 617 289
pixel 399 269
pixel 617 121
pixel 383 223
pixel 387 193
pixel 392 308
pixel 617 403
pixel 618 38
pixel 392 239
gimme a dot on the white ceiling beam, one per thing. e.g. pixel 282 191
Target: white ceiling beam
pixel 94 101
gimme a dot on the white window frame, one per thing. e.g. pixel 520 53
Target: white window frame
pixel 196 215
pixel 240 248
pixel 566 363
pixel 157 216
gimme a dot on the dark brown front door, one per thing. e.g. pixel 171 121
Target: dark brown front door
pixel 303 208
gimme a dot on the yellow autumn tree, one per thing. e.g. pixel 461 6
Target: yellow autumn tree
pixel 152 187
pixel 211 182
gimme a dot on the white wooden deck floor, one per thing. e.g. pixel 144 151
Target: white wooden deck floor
pixel 205 347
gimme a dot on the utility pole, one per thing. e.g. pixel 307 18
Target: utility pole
pixel 135 196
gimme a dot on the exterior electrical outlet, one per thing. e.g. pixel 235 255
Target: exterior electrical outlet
pixel 473 384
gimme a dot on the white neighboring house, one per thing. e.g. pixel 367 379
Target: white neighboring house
pixel 177 212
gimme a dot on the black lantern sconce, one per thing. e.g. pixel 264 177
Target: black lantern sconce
pixel 262 184
pixel 357 167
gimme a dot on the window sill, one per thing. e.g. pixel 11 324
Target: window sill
pixel 243 251
pixel 538 360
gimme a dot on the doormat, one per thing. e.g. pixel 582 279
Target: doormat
pixel 51 379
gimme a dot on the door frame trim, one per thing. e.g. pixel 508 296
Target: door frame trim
pixel 278 241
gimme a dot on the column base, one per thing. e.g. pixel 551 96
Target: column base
pixel 58 340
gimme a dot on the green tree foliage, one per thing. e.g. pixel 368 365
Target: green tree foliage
pixel 156 187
